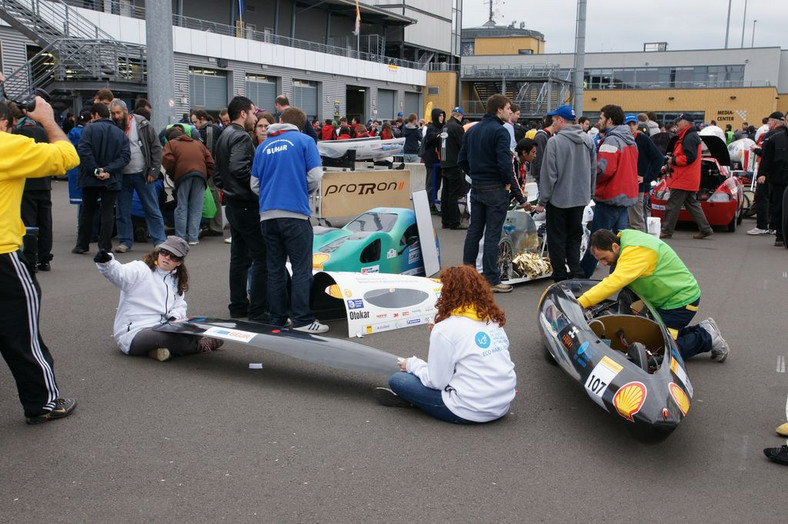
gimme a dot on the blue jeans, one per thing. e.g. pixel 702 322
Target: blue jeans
pixel 691 339
pixel 614 218
pixel 289 238
pixel 189 195
pixel 247 247
pixel 150 203
pixel 430 401
pixel 489 203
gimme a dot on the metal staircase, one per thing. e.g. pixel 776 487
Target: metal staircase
pixel 73 49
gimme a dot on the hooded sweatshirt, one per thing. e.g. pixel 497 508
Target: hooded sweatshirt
pixel 412 136
pixel 431 140
pixel 568 169
pixel 617 169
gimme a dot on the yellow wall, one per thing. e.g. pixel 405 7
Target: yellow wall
pixel 446 99
pixel 782 103
pixel 718 104
pixel 507 46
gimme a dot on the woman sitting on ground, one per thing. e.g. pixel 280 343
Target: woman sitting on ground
pixel 151 294
pixel 469 376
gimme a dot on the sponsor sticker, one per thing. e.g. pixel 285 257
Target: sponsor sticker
pixel 678 370
pixel 657 207
pixel 482 340
pixel 370 269
pixel 348 293
pixel 230 334
pixel 359 315
pixel 391 253
pixel 583 354
pixel 629 399
pixel 356 303
pixel 412 321
pixel 600 378
pixel 680 397
pixel 414 255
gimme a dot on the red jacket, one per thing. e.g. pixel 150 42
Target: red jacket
pixel 327 132
pixel 686 161
pixel 617 168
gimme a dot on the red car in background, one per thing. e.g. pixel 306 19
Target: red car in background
pixel 720 194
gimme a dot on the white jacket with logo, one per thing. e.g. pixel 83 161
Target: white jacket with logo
pixel 147 298
pixel 469 363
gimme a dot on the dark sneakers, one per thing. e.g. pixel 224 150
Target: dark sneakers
pixel 778 455
pixel 388 398
pixel 63 408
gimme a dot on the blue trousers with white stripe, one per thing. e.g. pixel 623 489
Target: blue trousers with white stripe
pixel 20 341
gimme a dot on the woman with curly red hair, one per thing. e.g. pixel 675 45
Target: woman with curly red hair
pixel 469 376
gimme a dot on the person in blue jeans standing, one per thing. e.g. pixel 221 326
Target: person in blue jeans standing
pixel 469 376
pixel 138 175
pixel 485 156
pixel 285 170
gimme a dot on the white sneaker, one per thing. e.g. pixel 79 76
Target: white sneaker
pixel 772 231
pixel 719 348
pixel 160 354
pixel 314 328
pixel 228 240
pixel 758 231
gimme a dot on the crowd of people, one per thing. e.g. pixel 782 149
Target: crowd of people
pixel 267 165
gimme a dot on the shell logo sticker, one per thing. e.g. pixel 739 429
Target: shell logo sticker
pixel 680 397
pixel 629 399
pixel 334 291
pixel 318 259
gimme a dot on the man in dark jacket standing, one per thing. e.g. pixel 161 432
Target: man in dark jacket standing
pixel 232 173
pixel 649 162
pixel 541 137
pixel 453 177
pixel 774 170
pixel 486 157
pixel 103 152
pixel 139 175
pixel 683 170
pixel 429 154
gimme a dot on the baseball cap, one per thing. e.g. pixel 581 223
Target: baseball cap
pixel 175 245
pixel 400 114
pixel 777 115
pixel 458 111
pixel 630 118
pixel 565 112
pixel 685 116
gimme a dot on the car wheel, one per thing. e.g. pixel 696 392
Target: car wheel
pixel 505 257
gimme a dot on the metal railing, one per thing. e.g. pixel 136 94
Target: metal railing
pixel 58 15
pixel 514 71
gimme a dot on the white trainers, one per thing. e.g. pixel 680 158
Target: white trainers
pixel 160 354
pixel 758 231
pixel 719 348
pixel 315 328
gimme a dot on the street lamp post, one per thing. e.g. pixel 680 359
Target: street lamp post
pixel 743 24
pixel 752 44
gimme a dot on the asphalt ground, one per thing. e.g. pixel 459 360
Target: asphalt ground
pixel 207 439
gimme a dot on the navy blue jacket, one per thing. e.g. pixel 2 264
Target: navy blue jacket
pixel 650 160
pixel 485 154
pixel 103 144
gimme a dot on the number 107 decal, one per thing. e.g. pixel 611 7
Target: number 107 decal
pixel 600 378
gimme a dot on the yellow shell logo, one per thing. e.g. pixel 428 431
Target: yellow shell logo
pixel 680 397
pixel 334 291
pixel 629 399
pixel 318 259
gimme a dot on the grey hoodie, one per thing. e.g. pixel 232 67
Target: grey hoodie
pixel 568 169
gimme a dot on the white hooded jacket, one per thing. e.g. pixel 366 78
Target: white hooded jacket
pixel 147 298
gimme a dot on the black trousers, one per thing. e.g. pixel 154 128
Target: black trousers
pixel 37 212
pixel 453 189
pixel 564 236
pixel 20 341
pixel 776 206
pixel 762 206
pixel 90 196
pixel 247 250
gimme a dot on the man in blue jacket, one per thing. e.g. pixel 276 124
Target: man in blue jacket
pixel 286 169
pixel 485 156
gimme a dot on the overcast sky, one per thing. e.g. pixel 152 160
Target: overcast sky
pixel 624 25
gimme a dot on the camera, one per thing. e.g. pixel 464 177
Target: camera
pixel 28 100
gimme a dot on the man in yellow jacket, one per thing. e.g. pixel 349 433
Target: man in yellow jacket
pixel 20 341
pixel 655 272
